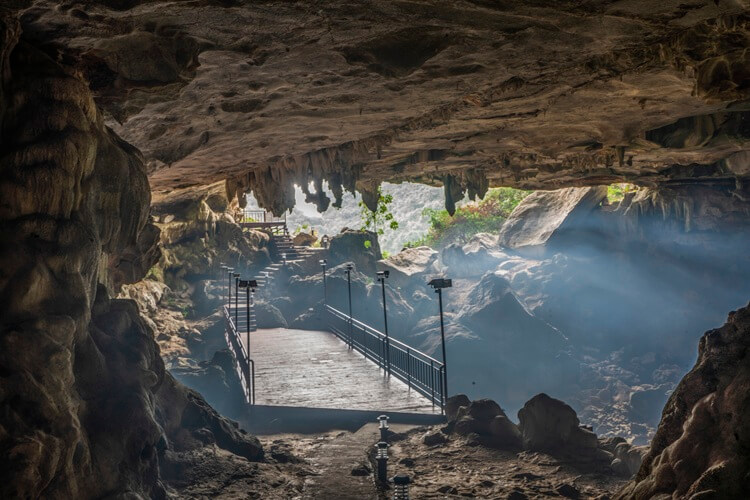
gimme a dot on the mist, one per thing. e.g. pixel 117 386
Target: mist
pixel 605 315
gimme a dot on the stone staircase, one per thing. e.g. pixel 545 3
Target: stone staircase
pixel 288 253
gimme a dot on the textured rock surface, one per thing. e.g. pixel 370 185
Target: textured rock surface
pixel 75 201
pixel 700 449
pixel 88 409
pixel 409 266
pixel 199 234
pixel 549 424
pixel 543 216
pixel 351 246
pixel 267 94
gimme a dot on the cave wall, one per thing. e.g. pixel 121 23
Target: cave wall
pixel 702 446
pixel 88 409
pixel 74 218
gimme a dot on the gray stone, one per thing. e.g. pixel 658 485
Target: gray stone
pixel 549 424
pixel 452 405
pixel 545 215
pixel 434 438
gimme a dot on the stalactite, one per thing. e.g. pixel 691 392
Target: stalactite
pixel 453 192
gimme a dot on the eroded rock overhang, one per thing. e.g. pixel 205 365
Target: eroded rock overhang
pixel 527 94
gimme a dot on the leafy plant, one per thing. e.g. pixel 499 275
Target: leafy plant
pixel 616 192
pixel 303 227
pixel 380 219
pixel 485 216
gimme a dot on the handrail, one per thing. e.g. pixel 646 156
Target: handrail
pixel 375 332
pixel 245 366
pixel 419 370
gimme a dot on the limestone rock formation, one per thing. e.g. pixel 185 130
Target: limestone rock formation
pixel 359 247
pixel 410 266
pixel 475 257
pixel 549 424
pixel 268 95
pixel 83 387
pixel 700 449
pixel 543 216
pixel 199 234
pixel 486 419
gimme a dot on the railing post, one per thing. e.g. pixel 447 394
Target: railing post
pixel 408 366
pixel 443 389
pixel 236 299
pixel 349 268
pixel 229 289
pixel 432 381
pixel 247 342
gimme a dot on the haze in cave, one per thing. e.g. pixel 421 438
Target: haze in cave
pixel 369 250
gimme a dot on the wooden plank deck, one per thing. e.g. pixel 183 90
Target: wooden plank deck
pixel 316 369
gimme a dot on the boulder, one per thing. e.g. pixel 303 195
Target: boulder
pixel 434 438
pixel 484 410
pixel 504 433
pixel 303 239
pixel 359 247
pixel 548 424
pixel 627 458
pixel 409 266
pixel 475 258
pixel 544 216
pixel 453 403
pixel 484 421
pixel 268 316
pixel 492 298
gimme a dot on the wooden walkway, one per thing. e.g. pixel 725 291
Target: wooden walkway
pixel 316 369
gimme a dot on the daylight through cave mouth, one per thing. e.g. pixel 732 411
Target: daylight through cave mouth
pixel 578 171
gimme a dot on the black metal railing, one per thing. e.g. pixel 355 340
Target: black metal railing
pixel 249 215
pixel 420 371
pixel 244 365
pixel 260 218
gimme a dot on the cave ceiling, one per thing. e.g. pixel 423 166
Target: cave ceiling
pixel 533 93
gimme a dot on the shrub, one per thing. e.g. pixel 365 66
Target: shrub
pixel 485 216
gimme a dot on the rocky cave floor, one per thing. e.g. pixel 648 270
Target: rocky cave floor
pixel 460 467
pixel 211 472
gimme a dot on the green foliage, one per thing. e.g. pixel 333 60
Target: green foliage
pixel 303 227
pixel 386 254
pixel 616 192
pixel 380 219
pixel 485 216
pixel 156 273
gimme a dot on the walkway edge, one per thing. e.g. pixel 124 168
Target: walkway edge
pixel 264 419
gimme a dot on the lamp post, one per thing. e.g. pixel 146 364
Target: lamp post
pixel 401 487
pixel 223 268
pixel 229 289
pixel 381 457
pixel 236 297
pixel 438 284
pixel 382 275
pixel 349 268
pixel 323 263
pixel 383 426
pixel 249 286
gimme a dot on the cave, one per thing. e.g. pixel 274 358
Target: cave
pixel 579 170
